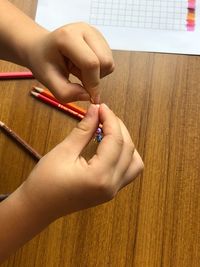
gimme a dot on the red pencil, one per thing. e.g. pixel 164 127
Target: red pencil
pixel 56 104
pixel 16 75
pixel 48 94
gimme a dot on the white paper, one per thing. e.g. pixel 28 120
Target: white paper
pixel 136 25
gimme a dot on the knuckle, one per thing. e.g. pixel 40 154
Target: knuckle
pixel 71 28
pixel 106 190
pixel 60 33
pixel 92 64
pixel 108 65
pixel 64 33
pixel 92 84
pixel 140 166
pixel 83 24
pixel 130 147
pixel 119 140
pixel 113 139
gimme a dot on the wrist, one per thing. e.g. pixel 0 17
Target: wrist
pixel 35 206
pixel 29 44
pixel 19 222
pixel 18 32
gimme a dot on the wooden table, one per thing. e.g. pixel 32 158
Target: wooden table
pixel 155 221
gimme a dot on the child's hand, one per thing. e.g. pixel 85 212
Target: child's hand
pixel 75 48
pixel 64 182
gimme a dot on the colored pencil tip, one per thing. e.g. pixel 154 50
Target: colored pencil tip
pixel 34 93
pixel 38 89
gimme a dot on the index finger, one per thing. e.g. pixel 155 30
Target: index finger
pixel 85 59
pixel 99 45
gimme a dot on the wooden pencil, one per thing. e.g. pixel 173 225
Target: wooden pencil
pixel 56 104
pixel 64 108
pixel 16 75
pixel 67 108
pixel 18 139
pixel 70 105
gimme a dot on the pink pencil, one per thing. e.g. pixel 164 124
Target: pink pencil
pixel 16 75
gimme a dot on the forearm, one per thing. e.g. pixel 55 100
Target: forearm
pixel 19 222
pixel 17 33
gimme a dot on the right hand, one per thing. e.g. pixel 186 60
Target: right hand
pixel 64 182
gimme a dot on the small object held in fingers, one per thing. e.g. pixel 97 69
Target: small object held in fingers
pixel 98 135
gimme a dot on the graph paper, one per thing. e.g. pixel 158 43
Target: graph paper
pixel 140 14
pixel 169 26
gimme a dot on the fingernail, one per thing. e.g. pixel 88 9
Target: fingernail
pixel 91 110
pixel 106 106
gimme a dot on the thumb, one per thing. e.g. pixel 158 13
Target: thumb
pixel 83 132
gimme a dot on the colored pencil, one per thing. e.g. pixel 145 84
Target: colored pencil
pixel 16 75
pixel 56 104
pixel 48 94
pixel 18 139
pixel 68 108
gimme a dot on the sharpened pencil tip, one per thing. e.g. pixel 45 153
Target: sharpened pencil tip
pixel 34 93
pixel 38 89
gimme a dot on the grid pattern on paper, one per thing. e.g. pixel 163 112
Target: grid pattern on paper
pixel 140 14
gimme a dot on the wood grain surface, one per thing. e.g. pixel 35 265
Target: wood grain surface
pixel 155 221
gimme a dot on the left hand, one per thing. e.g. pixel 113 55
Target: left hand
pixel 77 48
